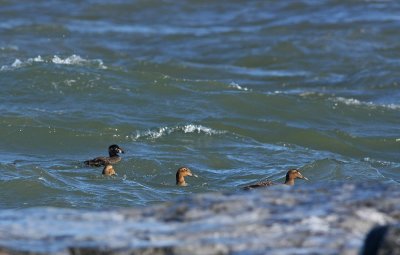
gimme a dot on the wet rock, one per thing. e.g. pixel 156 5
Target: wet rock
pixel 278 220
pixel 382 240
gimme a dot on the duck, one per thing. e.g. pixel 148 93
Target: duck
pixel 108 170
pixel 291 175
pixel 113 157
pixel 180 176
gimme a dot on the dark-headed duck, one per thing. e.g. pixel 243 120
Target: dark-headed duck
pixel 180 176
pixel 291 175
pixel 108 170
pixel 113 157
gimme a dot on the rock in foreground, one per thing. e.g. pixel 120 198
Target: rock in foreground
pixel 279 220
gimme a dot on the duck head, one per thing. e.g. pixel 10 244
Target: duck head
pixel 293 174
pixel 180 176
pixel 108 170
pixel 114 149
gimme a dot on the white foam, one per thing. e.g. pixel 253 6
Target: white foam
pixel 373 215
pixel 77 60
pixel 348 101
pixel 198 129
pixel 37 59
pixel 18 63
pixel 160 132
pixel 316 224
pixel 71 60
pixel 10 48
pixel 237 86
pixel 356 102
pixel 392 106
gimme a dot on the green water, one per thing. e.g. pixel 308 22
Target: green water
pixel 239 92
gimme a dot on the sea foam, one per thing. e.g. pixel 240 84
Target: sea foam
pixel 163 131
pixel 18 63
pixel 356 102
pixel 237 86
pixel 71 60
pixel 77 60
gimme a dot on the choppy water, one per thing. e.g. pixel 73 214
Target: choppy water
pixel 238 91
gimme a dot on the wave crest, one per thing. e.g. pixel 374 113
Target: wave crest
pixel 71 60
pixel 356 102
pixel 163 131
pixel 238 87
pixel 77 60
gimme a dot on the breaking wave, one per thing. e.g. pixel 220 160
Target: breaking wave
pixel 160 132
pixel 238 87
pixel 71 60
pixel 347 101
pixel 352 101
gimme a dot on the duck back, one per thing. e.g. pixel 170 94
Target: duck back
pixel 259 185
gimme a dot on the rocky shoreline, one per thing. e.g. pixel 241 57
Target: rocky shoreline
pixel 313 219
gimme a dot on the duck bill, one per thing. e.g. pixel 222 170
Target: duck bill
pixel 304 178
pixel 193 175
pixel 121 150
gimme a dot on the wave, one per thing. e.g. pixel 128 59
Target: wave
pixel 347 101
pixel 9 48
pixel 352 101
pixel 18 63
pixel 238 87
pixel 103 27
pixel 71 60
pixel 77 60
pixel 160 132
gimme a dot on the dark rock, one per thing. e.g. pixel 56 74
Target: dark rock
pixel 373 241
pixel 382 240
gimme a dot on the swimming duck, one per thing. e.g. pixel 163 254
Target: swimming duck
pixel 108 170
pixel 180 176
pixel 291 175
pixel 113 158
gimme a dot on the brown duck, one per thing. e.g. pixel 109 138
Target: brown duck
pixel 180 176
pixel 108 170
pixel 113 157
pixel 291 175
